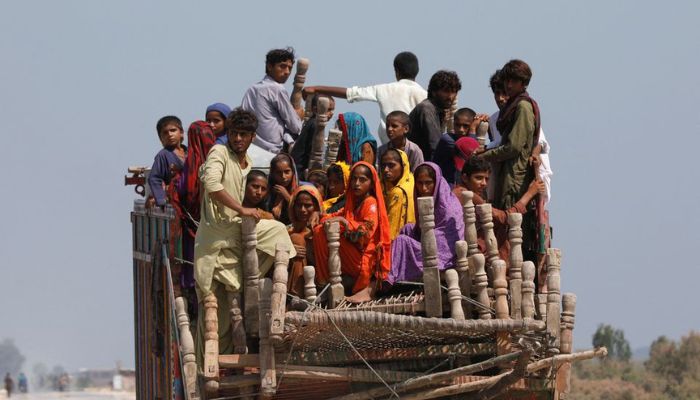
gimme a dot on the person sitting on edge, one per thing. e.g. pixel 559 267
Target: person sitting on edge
pixel 279 123
pixel 427 117
pixel 301 150
pixel 397 127
pixel 475 178
pixel 283 181
pixel 218 245
pixel 319 179
pixel 464 148
pixel 465 123
pixel 169 161
pixel 256 190
pixel 365 244
pixel 338 177
pixel 397 184
pixel 402 95
pixel 304 212
pixel 357 143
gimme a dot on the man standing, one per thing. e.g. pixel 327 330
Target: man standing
pixel 402 95
pixel 278 122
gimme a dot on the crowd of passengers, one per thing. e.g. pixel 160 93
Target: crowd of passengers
pixel 370 191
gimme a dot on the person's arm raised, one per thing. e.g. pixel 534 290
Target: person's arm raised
pixel 335 91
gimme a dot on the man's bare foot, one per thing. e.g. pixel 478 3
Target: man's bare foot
pixel 366 294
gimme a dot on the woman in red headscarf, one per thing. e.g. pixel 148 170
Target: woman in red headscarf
pixel 365 242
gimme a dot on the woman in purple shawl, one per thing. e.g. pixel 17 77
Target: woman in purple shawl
pixel 406 258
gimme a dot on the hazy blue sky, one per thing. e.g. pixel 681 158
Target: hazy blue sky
pixel 82 84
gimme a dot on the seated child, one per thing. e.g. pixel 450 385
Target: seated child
pixel 406 257
pixel 397 127
pixel 319 179
pixel 357 143
pixel 169 162
pixel 216 117
pixel 397 184
pixel 256 192
pixel 466 121
pixel 464 148
pixel 364 235
pixel 338 176
pixel 283 181
pixel 304 212
pixel 301 150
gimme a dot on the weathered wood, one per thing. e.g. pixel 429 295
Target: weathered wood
pixel 299 80
pixel 477 261
pixel 515 238
pixel 528 290
pixel 568 315
pixel 454 294
pixel 508 380
pixel 482 132
pixel 485 216
pixel 431 379
pixel 189 360
pixel 431 273
pixel 470 235
pixel 313 372
pixel 500 289
pixel 268 378
pixel 553 299
pixel 308 107
pixel 310 283
pixel 211 346
pixel 251 276
pixel 412 303
pixel 316 158
pixel 336 291
pixel 237 327
pixel 332 146
pixel 279 292
pixel 465 276
pixel 448 123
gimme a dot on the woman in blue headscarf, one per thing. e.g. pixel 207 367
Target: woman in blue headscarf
pixel 357 143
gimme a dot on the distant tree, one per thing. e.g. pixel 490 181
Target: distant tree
pixel 11 359
pixel 614 340
pixel 677 364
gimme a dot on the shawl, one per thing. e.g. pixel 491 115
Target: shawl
pixel 400 198
pixel 506 118
pixel 355 134
pixel 464 147
pixel 200 139
pixel 315 195
pixel 346 178
pixel 272 196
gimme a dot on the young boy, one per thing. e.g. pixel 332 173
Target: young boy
pixel 397 128
pixel 319 179
pixel 168 162
pixel 466 121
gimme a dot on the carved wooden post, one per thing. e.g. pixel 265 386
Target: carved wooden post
pixel 481 284
pixel 484 213
pixel 541 306
pixel 316 159
pixel 337 292
pixel 568 315
pixel 189 360
pixel 515 237
pixel 237 327
pixel 470 234
pixel 431 273
pixel 299 80
pixel 454 294
pixel 333 143
pixel 211 346
pixel 448 125
pixel 279 292
pixel 528 290
pixel 500 289
pixel 310 283
pixel 308 107
pixel 268 377
pixel 465 275
pixel 481 132
pixel 553 298
pixel 251 276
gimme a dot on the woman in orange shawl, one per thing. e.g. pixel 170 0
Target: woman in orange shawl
pixel 305 206
pixel 365 244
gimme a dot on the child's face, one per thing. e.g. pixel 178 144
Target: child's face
pixel 360 182
pixel 391 168
pixel 462 123
pixel 283 174
pixel 395 130
pixel 304 207
pixel 477 181
pixel 255 191
pixel 425 185
pixel 239 140
pixel 501 98
pixel 336 185
pixel 170 136
pixel 318 183
pixel 216 122
pixel 280 72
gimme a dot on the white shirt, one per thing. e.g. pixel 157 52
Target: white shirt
pixel 402 95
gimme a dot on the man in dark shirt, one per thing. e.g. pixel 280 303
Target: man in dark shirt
pixel 427 117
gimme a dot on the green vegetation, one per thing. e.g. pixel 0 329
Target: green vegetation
pixel 11 359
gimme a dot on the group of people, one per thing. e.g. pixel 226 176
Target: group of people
pixel 22 385
pixel 370 191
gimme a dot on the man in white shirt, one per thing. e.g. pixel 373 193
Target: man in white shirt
pixel 402 95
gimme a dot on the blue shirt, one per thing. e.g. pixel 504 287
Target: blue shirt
pixel 161 174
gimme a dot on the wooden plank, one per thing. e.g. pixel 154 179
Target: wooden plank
pixel 431 273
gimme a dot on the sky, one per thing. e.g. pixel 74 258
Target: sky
pixel 82 84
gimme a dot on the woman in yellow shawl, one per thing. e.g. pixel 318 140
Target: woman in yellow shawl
pixel 338 175
pixel 397 183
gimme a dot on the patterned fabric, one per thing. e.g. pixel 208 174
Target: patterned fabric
pixel 399 199
pixel 311 190
pixel 200 139
pixel 355 134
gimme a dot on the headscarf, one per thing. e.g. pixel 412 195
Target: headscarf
pixel 200 139
pixel 272 197
pixel 464 147
pixel 382 234
pixel 403 211
pixel 315 195
pixel 355 134
pixel 220 107
pixel 346 178
pixel 506 118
